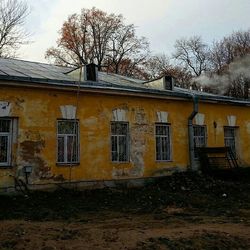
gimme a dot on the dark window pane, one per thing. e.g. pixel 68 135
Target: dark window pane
pixel 115 156
pixel 119 141
pixel 60 150
pixel 119 128
pixel 114 148
pixel 72 149
pixel 67 127
pixel 122 148
pixel 158 148
pixel 229 138
pixel 229 132
pixel 158 130
pixel 4 125
pixel 68 141
pixel 162 142
pixel 199 138
pixel 3 149
pixel 114 143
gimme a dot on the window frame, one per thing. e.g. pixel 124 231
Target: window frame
pixel 168 125
pixel 127 143
pixel 196 157
pixel 77 136
pixel 10 143
pixel 235 139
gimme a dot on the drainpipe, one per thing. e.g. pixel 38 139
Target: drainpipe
pixel 191 132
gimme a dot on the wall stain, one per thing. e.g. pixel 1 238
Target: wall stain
pixel 138 141
pixel 30 155
pixel 140 116
pixel 19 103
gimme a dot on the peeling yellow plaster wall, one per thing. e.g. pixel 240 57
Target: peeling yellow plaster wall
pixel 38 110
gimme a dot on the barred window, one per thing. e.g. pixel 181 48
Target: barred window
pixel 163 147
pixel 119 142
pixel 200 139
pixel 5 141
pixel 67 141
pixel 229 138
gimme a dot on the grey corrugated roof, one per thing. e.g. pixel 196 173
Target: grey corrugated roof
pixel 123 80
pixel 35 72
pixel 26 69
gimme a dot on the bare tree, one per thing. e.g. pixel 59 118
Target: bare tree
pixel 74 46
pixel 192 53
pixel 228 49
pixel 160 65
pixel 230 57
pixel 95 36
pixel 157 65
pixel 12 33
pixel 126 51
pixel 84 38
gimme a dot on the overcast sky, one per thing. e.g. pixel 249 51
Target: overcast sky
pixel 161 21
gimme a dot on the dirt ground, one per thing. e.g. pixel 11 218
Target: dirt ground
pixel 185 211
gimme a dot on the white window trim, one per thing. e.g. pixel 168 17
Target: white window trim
pixel 9 146
pixel 170 141
pixel 127 142
pixel 77 136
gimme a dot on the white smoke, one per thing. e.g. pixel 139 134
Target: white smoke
pixel 239 69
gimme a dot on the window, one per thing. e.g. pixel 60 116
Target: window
pixel 200 139
pixel 163 147
pixel 5 141
pixel 119 141
pixel 229 138
pixel 67 141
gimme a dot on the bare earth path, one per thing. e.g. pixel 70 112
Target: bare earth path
pixel 183 211
pixel 115 231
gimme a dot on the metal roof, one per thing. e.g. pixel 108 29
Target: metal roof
pixel 26 69
pixel 41 73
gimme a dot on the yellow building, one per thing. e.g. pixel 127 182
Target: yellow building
pixel 56 127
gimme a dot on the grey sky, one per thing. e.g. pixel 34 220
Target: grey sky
pixel 161 21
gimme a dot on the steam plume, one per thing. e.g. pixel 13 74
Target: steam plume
pixel 238 69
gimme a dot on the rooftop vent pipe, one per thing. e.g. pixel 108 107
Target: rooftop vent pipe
pixel 91 72
pixel 168 82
